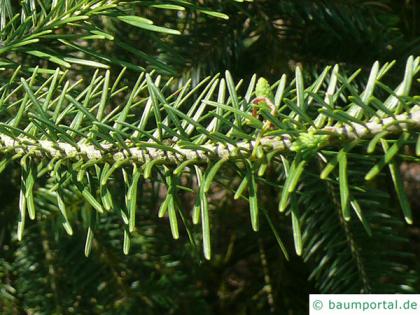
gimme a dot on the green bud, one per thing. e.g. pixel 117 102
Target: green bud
pixel 263 89
pixel 309 142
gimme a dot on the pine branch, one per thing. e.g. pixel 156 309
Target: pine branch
pixel 82 138
pixel 345 258
pixel 68 33
pixel 209 152
pixel 88 158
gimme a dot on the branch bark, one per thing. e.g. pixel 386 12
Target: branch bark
pixel 144 152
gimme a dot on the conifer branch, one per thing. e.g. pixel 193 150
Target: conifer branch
pixel 143 153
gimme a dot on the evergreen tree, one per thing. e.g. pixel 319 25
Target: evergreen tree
pixel 274 139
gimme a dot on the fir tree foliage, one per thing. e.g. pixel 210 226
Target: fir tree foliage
pixel 93 146
pixel 78 141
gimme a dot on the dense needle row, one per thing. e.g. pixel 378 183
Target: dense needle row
pixel 82 137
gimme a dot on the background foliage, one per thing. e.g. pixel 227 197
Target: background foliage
pixel 74 71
